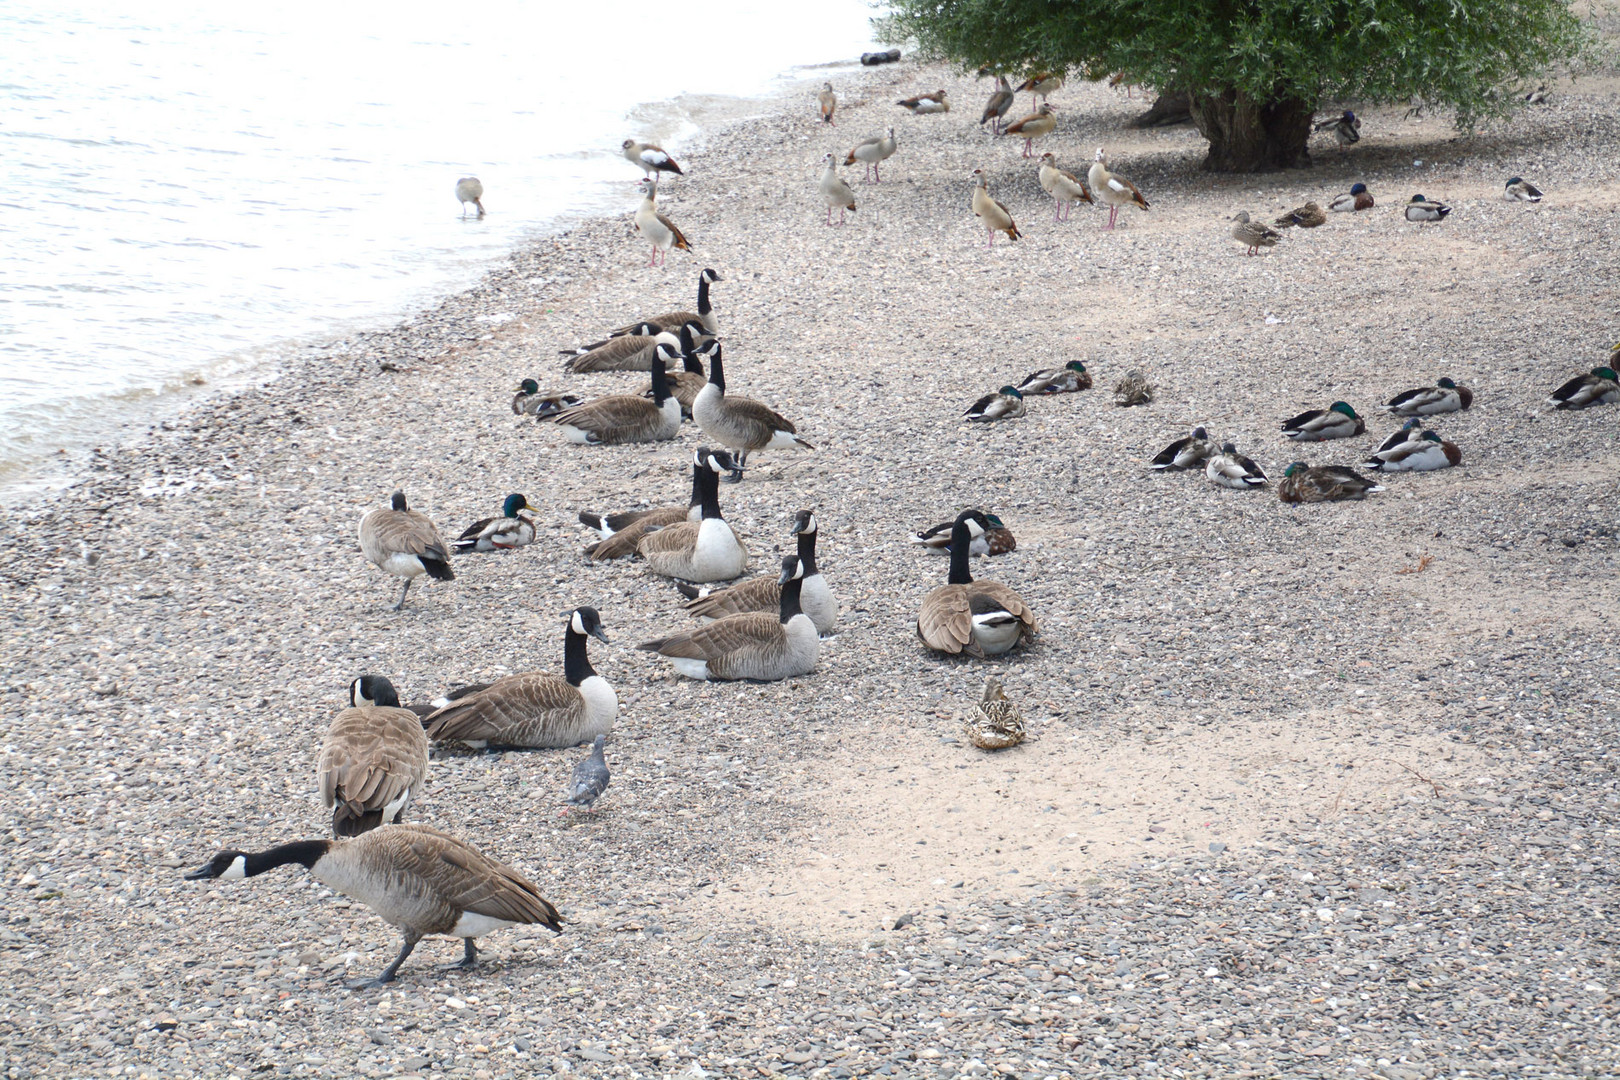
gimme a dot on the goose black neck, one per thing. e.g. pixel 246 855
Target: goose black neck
pixel 790 599
pixel 961 540
pixel 697 486
pixel 703 296
pixel 660 381
pixel 717 374
pixel 305 853
pixel 690 361
pixel 576 662
pixel 807 553
pixel 710 492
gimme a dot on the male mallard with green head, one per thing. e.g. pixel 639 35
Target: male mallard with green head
pixel 1337 421
pixel 1445 396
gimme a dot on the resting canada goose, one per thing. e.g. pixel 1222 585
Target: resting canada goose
pixel 536 709
pixel 528 400
pixel 980 618
pixel 1040 85
pixel 996 108
pixel 923 104
pixel 740 424
pixel 752 645
pixel 995 215
pixel 470 190
pixel 626 418
pixel 415 878
pixel 650 159
pixel 828 102
pixel 657 229
pixel 765 593
pixel 1253 235
pixel 1114 190
pixel 511 530
pixel 708 549
pixel 1063 187
pixel 404 543
pixel 834 192
pixel 1039 124
pixel 998 540
pixel 872 153
pixel 674 320
pixel 687 383
pixel 373 761
pixel 622 532
pixel 627 352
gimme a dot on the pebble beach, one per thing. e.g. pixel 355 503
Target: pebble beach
pixel 1309 791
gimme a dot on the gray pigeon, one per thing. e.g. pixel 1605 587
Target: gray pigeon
pixel 590 778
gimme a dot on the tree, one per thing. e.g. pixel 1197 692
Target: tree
pixel 1256 70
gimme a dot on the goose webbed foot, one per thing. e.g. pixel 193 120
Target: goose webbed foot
pixel 388 973
pixel 469 957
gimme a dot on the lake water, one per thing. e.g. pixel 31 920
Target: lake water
pixel 190 190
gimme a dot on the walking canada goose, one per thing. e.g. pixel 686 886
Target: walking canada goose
pixel 672 321
pixel 650 159
pixel 590 778
pixel 470 190
pixel 655 228
pixel 1039 124
pixel 924 104
pixel 994 723
pixel 980 618
pixel 872 153
pixel 996 108
pixel 417 879
pixel 1189 452
pixel 1063 187
pixel 834 192
pixel 627 352
pixel 1424 452
pixel 1357 198
pixel 1004 404
pixel 996 540
pixel 765 593
pixel 622 532
pixel 1114 190
pixel 373 761
pixel 752 645
pixel 1443 397
pixel 1521 190
pixel 1231 469
pixel 1421 209
pixel 708 549
pixel 995 215
pixel 1040 85
pixel 404 543
pixel 1064 380
pixel 741 424
pixel 1346 128
pixel 528 400
pixel 1308 216
pixel 513 529
pixel 1337 421
pixel 626 418
pixel 1253 235
pixel 1599 387
pixel 1302 483
pixel 828 102
pixel 536 710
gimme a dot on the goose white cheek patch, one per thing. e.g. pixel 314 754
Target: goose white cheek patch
pixel 236 871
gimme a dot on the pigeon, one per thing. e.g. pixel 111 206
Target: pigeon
pixel 590 778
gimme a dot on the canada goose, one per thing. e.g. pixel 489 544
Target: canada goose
pixel 872 153
pixel 1421 209
pixel 1308 216
pixel 511 530
pixel 995 723
pixel 705 550
pixel 1521 190
pixel 627 352
pixel 1346 128
pixel 924 104
pixel 740 424
pixel 1188 452
pixel 622 532
pixel 1231 469
pixel 404 543
pixel 1039 124
pixel 589 779
pixel 528 400
pixel 765 593
pixel 655 228
pixel 996 540
pixel 834 192
pixel 995 215
pixel 1337 421
pixel 1302 483
pixel 672 321
pixel 1443 397
pixel 1114 190
pixel 1357 198
pixel 373 761
pixel 1004 404
pixel 1040 85
pixel 415 878
pixel 998 105
pixel 650 159
pixel 980 618
pixel 470 190
pixel 1067 379
pixel 535 709
pixel 828 102
pixel 685 384
pixel 1063 187
pixel 1253 235
pixel 626 418
pixel 753 645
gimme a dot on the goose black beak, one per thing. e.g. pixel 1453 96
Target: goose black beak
pixel 204 871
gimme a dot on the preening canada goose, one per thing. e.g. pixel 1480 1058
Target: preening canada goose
pixel 470 190
pixel 834 192
pixel 1067 379
pixel 740 424
pixel 655 228
pixel 1188 452
pixel 373 761
pixel 996 108
pixel 528 400
pixel 672 321
pixel 404 543
pixel 1039 124
pixel 415 878
pixel 765 593
pixel 1112 189
pixel 1520 190
pixel 626 418
pixel 513 529
pixel 705 550
pixel 995 215
pixel 650 159
pixel 752 645
pixel 828 102
pixel 1231 469
pixel 996 540
pixel 1443 397
pixel 627 352
pixel 872 153
pixel 924 104
pixel 980 618
pixel 1253 235
pixel 536 709
pixel 1302 483
pixel 1337 421
pixel 621 533
pixel 1357 198
pixel 1421 209
pixel 589 779
pixel 1063 187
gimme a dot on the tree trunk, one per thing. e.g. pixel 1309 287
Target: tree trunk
pixel 1172 107
pixel 1248 136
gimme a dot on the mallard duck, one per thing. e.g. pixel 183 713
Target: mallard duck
pixel 996 108
pixel 1423 453
pixel 1004 404
pixel 1538 96
pixel 1308 216
pixel 994 723
pixel 469 189
pixel 1064 188
pixel 1112 189
pixel 1067 379
pixel 513 529
pixel 997 539
pixel 752 645
pixel 1404 433
pixel 1302 483
pixel 1518 189
pixel 995 215
pixel 1133 389
pixel 1446 396
pixel 402 542
pixel 1346 128
pixel 980 618
pixel 1337 421
pixel 923 104
pixel 1188 452
pixel 1253 235
pixel 1231 469
pixel 1358 198
pixel 1421 209
pixel 530 401
pixel 1598 387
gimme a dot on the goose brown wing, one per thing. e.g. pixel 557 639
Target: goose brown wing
pixel 669 320
pixel 671 539
pixel 371 755
pixel 720 638
pixel 759 594
pixel 627 540
pixel 457 875
pixel 616 354
pixel 406 531
pixel 986 596
pixel 611 413
pixel 680 237
pixel 749 411
pixel 507 709
pixel 945 621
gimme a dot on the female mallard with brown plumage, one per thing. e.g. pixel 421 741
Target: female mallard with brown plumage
pixel 1302 483
pixel 994 723
pixel 1308 216
pixel 1253 235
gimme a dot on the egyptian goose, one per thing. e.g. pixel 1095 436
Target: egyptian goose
pixel 924 104
pixel 1038 124
pixel 872 153
pixel 834 191
pixel 828 102
pixel 1063 187
pixel 650 159
pixel 469 189
pixel 404 543
pixel 995 216
pixel 1114 190
pixel 1040 85
pixel 657 228
pixel 996 108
